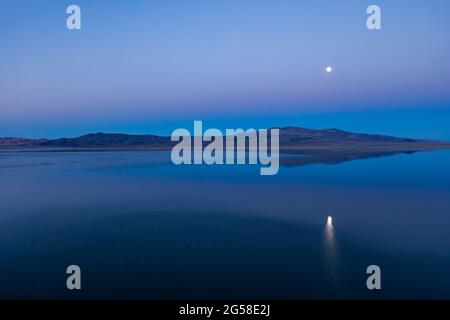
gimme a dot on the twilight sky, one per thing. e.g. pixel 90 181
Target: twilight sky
pixel 141 66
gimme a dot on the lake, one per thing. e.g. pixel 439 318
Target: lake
pixel 141 227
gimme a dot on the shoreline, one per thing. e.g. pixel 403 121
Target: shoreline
pixel 303 149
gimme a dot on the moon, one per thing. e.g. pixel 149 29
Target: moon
pixel 329 69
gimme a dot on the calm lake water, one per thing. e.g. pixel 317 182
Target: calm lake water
pixel 140 227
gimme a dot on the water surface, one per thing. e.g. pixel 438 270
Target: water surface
pixel 140 227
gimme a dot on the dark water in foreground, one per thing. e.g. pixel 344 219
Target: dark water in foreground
pixel 140 227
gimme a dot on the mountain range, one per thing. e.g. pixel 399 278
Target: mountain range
pixel 322 146
pixel 289 137
pixel 328 146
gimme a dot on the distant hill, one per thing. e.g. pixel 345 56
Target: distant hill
pixel 297 136
pixel 20 142
pixel 109 140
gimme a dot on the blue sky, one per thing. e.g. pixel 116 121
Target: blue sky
pixel 142 66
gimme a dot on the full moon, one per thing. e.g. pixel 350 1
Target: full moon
pixel 328 69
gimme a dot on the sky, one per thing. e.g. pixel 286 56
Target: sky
pixel 143 66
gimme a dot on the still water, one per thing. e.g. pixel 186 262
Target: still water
pixel 140 227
